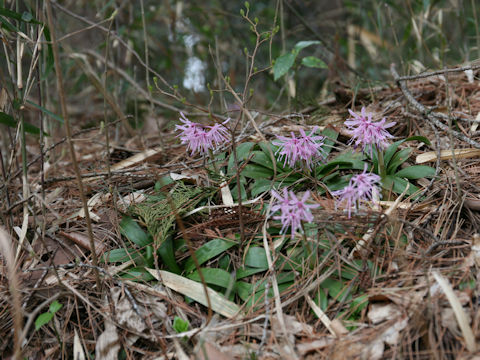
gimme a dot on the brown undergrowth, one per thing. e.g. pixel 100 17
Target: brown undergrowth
pixel 422 300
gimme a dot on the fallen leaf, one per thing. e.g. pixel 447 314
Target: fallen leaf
pixel 380 312
pixel 108 343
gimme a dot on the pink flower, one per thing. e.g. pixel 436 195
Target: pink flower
pixel 198 139
pixel 365 184
pixel 360 187
pixel 218 133
pixel 367 133
pixel 347 195
pixel 292 210
pixel 306 148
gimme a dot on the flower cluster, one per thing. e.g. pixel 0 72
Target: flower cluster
pixel 306 148
pixel 367 133
pixel 360 187
pixel 201 138
pixel 292 210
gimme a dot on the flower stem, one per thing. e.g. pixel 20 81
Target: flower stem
pixel 382 171
pixel 306 245
pixel 381 165
pixel 212 157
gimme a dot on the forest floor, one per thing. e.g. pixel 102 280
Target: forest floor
pixel 396 279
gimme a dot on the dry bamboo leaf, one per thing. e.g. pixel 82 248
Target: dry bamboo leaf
pixel 474 126
pixel 196 291
pixel 227 197
pixel 390 336
pixel 321 315
pixel 78 353
pixel 135 159
pixel 83 241
pixel 447 155
pixel 208 351
pixel 23 233
pixel 108 343
pixel 304 348
pixel 136 197
pixel 458 310
pixel 381 312
pixel 476 249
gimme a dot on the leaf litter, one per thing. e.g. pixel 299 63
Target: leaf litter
pixel 410 291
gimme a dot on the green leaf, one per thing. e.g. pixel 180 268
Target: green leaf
pixel 7 25
pixel 355 158
pixel 398 159
pixel 243 289
pixel 391 151
pixel 180 325
pixel 283 64
pixel 121 255
pixel 243 192
pixel 133 232
pixel 261 186
pixel 321 299
pixel 245 272
pixel 349 272
pixel 303 44
pixel 10 121
pixel 27 17
pixel 167 254
pixel 45 111
pixel 336 288
pixel 263 159
pixel 213 276
pixel 393 147
pixel 359 303
pixel 137 274
pixel 208 251
pixel 418 138
pixel 416 172
pixel 330 136
pixel 55 306
pixel 17 16
pixel 398 185
pixel 325 169
pixel 243 150
pixel 254 171
pixel 43 319
pixel 256 258
pixel 314 62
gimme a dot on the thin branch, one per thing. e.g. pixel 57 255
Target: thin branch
pixel 438 72
pixel 426 112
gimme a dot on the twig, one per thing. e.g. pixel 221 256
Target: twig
pixel 441 243
pixel 438 72
pixel 427 113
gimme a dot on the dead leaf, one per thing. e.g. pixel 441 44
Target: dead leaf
pixel 108 343
pixel 83 241
pixel 196 291
pixel 304 348
pixel 447 155
pixel 78 353
pixel 208 351
pixel 381 312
